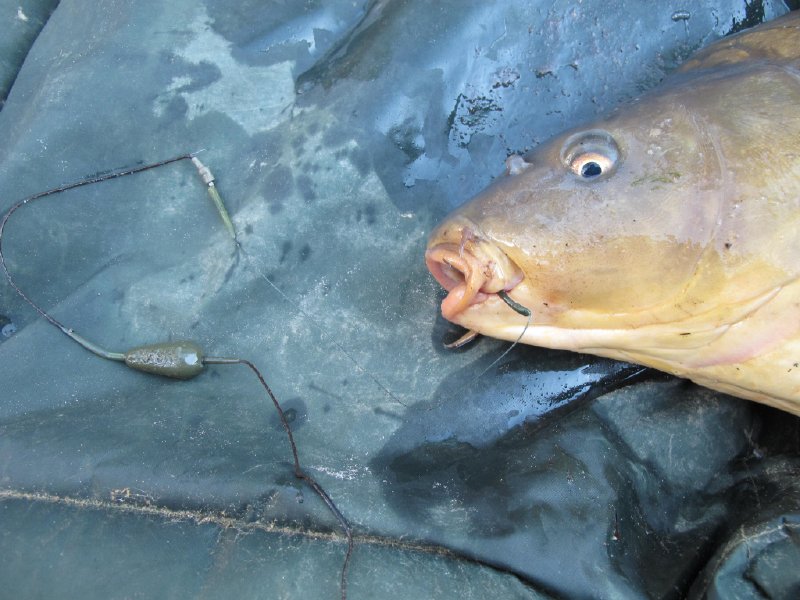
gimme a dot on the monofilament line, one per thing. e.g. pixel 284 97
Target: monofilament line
pixel 518 308
pixel 325 335
pixel 181 360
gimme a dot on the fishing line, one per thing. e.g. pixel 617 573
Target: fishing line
pixel 516 307
pixel 519 308
pixel 180 359
pixel 185 359
pixel 328 338
pixel 89 346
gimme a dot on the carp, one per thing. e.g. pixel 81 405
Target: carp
pixel 667 234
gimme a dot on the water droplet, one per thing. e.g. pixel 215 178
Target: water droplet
pixel 7 328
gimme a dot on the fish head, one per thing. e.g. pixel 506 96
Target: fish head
pixel 664 234
pixel 597 231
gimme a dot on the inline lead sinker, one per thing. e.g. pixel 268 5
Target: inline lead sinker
pixel 180 359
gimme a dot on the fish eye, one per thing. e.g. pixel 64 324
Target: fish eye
pixel 591 155
pixel 590 165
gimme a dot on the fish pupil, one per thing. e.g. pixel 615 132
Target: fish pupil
pixel 591 169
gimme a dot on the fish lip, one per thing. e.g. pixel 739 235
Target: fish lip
pixel 441 260
pixel 472 272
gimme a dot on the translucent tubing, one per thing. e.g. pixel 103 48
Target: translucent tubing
pixel 181 359
pixel 208 179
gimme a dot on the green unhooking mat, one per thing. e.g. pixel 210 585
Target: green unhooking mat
pixel 339 133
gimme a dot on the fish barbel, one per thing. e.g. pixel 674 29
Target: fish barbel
pixel 667 234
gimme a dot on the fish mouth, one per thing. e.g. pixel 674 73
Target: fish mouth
pixel 471 271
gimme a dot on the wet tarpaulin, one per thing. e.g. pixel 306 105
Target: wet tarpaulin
pixel 340 132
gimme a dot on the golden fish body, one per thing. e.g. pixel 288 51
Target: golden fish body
pixel 667 234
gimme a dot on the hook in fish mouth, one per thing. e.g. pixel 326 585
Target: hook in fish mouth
pixel 470 271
